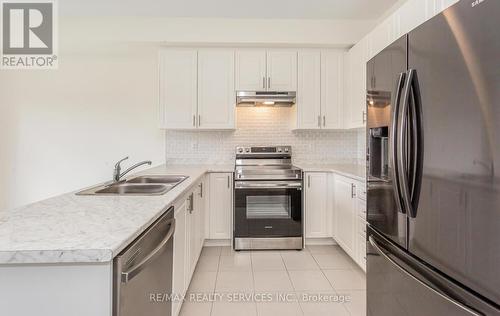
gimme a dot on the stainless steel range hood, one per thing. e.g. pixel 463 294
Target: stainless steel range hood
pixel 265 98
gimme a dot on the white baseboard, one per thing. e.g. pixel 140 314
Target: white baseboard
pixel 327 241
pixel 217 242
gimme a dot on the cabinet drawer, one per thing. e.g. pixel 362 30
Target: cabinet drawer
pixel 361 190
pixel 361 208
pixel 361 227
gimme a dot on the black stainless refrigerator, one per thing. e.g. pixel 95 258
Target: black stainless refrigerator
pixel 433 157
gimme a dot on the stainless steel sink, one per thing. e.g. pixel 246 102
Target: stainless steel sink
pixel 169 179
pixel 143 189
pixel 142 185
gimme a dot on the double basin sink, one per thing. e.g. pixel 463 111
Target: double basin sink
pixel 142 185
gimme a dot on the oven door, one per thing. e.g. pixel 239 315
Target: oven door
pixel 268 209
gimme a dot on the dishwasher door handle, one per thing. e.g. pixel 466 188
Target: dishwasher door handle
pixel 135 270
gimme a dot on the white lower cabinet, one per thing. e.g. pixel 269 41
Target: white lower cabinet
pixel 350 218
pixel 220 205
pixel 189 237
pixel 345 214
pixel 316 205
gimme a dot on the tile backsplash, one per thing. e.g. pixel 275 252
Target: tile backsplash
pixel 264 126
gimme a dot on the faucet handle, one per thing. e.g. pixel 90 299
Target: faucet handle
pixel 117 165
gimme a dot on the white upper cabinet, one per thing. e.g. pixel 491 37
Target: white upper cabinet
pixel 282 70
pixel 332 88
pixel 309 90
pixel 216 93
pixel 251 70
pixel 355 99
pixel 178 88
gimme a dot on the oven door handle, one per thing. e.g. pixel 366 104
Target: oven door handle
pixel 260 185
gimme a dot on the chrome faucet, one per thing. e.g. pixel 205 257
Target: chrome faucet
pixel 117 174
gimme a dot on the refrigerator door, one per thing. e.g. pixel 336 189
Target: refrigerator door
pixel 398 284
pixel 385 78
pixel 455 227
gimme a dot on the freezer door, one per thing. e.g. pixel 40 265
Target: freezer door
pixel 399 285
pixel 455 228
pixel 385 78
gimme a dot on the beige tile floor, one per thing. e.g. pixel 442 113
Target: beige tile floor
pixel 275 283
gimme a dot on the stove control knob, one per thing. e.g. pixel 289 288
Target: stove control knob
pixel 280 150
pixel 287 150
pixel 240 150
pixel 247 150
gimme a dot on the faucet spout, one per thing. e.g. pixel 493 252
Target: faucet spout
pixel 117 174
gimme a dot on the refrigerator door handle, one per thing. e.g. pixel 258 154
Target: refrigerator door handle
pixel 417 142
pixel 410 140
pixel 396 185
pixel 378 248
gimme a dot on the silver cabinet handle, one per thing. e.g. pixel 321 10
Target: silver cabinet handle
pixel 201 189
pixel 364 117
pixel 263 82
pixel 353 190
pixel 269 82
pixel 309 181
pixel 199 119
pixel 194 120
pixel 324 120
pixel 228 180
pixel 128 275
pixel 430 288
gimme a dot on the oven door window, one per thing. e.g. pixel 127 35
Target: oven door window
pixel 268 206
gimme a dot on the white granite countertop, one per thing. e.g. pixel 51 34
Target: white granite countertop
pixel 354 171
pixel 84 229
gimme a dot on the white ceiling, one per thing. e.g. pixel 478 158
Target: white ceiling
pixel 278 9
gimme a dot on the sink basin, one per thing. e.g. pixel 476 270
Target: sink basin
pixel 168 179
pixel 137 189
pixel 142 185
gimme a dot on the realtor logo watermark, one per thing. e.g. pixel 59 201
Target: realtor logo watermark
pixel 29 34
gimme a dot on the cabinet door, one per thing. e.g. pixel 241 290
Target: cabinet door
pixel 344 214
pixel 178 88
pixel 251 70
pixel 309 90
pixel 316 205
pixel 282 70
pixel 220 205
pixel 216 94
pixel 199 209
pixel 357 99
pixel 179 284
pixel 332 73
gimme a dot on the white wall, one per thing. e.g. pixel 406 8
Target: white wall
pixel 62 130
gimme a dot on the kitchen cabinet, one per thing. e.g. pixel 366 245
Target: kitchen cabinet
pixel 345 214
pixel 220 205
pixel 309 90
pixel 282 70
pixel 178 88
pixel 189 237
pixel 251 72
pixel 332 88
pixel 266 70
pixel 319 89
pixel 355 79
pixel 216 93
pixel 197 89
pixel 179 284
pixel 316 204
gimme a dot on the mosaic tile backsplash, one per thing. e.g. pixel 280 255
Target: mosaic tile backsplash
pixel 264 126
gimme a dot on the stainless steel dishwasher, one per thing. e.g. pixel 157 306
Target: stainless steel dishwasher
pixel 142 272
